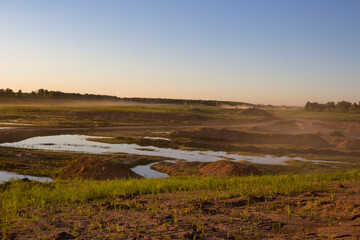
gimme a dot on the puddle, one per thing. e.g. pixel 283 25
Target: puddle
pixel 147 172
pixel 157 138
pixel 15 123
pixel 6 176
pixel 320 162
pixel 79 143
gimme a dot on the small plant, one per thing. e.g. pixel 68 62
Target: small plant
pixel 288 211
pixel 74 232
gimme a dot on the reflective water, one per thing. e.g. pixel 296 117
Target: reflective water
pixel 157 138
pixel 147 172
pixel 6 176
pixel 15 123
pixel 79 143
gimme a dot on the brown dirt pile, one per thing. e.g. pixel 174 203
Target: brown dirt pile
pixel 88 168
pixel 256 112
pixel 179 168
pixel 224 134
pixel 228 168
pixel 350 144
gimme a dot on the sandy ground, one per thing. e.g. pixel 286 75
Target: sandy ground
pixel 201 215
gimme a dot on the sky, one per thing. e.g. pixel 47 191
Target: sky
pixel 257 51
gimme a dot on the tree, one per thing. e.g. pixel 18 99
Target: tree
pixel 330 105
pixel 40 92
pixel 9 92
pixel 343 106
pixel 354 108
pixel 19 93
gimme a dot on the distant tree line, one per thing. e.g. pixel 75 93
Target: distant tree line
pixel 46 94
pixel 189 102
pixel 343 106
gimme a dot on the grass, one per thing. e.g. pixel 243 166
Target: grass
pixel 87 116
pixel 18 194
pixel 326 116
pixel 30 207
pixel 11 110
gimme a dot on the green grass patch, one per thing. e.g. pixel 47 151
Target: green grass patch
pixel 18 194
pixel 325 116
pixel 21 199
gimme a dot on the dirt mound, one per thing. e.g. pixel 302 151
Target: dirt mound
pixel 256 112
pixel 336 134
pixel 228 168
pixel 351 144
pixel 88 168
pixel 179 168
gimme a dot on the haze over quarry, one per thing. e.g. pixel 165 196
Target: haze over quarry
pixel 276 52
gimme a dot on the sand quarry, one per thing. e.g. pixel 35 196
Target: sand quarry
pixel 313 212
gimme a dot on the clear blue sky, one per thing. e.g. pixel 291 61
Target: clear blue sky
pixel 275 52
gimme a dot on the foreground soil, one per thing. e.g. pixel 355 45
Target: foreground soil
pixel 334 214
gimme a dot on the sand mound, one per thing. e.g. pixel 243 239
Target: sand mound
pixel 256 112
pixel 228 168
pixel 87 168
pixel 336 134
pixel 351 144
pixel 179 168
